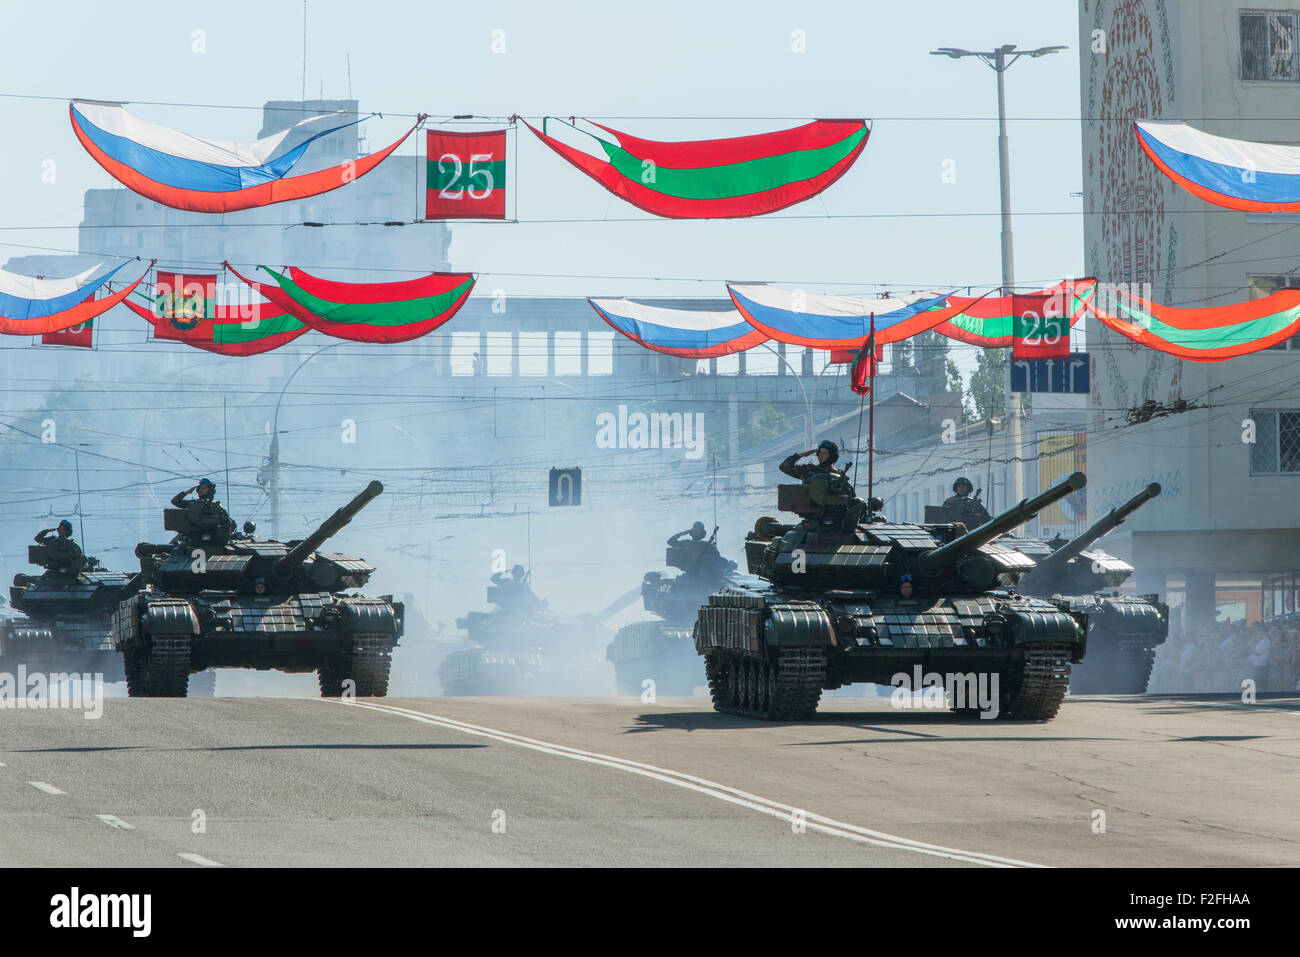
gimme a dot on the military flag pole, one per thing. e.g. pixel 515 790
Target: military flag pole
pixel 871 415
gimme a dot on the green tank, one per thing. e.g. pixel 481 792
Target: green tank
pixel 663 650
pixel 1123 630
pixel 522 647
pixel 213 599
pixel 844 596
pixel 66 614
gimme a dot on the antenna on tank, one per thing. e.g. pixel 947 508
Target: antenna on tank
pixel 81 517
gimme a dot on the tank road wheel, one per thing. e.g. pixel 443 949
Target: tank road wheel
pixel 786 689
pixel 372 660
pixel 1036 693
pixel 735 683
pixel 165 665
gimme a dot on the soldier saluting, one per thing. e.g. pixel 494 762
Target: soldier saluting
pixel 205 493
pixel 827 453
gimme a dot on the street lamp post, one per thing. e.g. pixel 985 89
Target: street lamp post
pixel 273 460
pixel 1000 61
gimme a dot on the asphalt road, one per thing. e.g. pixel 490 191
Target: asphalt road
pixel 562 781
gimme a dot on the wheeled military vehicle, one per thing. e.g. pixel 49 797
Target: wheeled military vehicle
pixel 663 650
pixel 1123 630
pixel 522 647
pixel 213 599
pixel 67 611
pixel 845 597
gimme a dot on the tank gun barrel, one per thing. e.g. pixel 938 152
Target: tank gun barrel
pixel 933 562
pixel 327 529
pixel 1061 557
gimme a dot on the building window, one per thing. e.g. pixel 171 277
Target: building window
pixel 568 353
pixel 500 353
pixel 1268 45
pixel 600 353
pixel 1277 442
pixel 532 353
pixel 464 357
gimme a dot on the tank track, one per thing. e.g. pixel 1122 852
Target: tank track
pixel 368 663
pixel 787 689
pixel 372 660
pixel 161 669
pixel 1041 686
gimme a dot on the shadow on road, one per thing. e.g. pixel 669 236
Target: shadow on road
pixel 266 747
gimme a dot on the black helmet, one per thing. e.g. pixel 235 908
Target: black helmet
pixel 963 480
pixel 832 448
pixel 697 530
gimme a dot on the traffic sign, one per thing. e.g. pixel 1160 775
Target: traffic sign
pixel 566 487
pixel 1070 376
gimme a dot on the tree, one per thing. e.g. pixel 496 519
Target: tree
pixel 988 384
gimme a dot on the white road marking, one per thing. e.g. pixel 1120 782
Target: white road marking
pixel 116 822
pixel 199 860
pixel 47 788
pixel 721 792
pixel 1189 702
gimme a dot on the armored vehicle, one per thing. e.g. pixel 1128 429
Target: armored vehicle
pixel 521 647
pixel 1123 630
pixel 844 596
pixel 67 609
pixel 663 650
pixel 214 599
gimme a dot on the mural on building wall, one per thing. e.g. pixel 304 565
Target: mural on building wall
pixel 1130 77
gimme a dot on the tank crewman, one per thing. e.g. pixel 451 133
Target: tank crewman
pixel 827 453
pixel 905 587
pixel 515 589
pixel 700 553
pixel 60 543
pixel 205 493
pixel 972 510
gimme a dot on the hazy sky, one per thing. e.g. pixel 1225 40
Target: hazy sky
pixel 685 62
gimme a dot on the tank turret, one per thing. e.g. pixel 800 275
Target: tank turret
pixel 939 560
pixel 293 559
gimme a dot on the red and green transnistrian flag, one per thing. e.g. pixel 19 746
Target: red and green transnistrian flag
pixel 81 336
pixel 864 366
pixel 466 176
pixel 236 329
pixel 989 321
pixel 1204 334
pixel 367 312
pixel 716 179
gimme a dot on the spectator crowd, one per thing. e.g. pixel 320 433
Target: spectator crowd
pixel 1221 656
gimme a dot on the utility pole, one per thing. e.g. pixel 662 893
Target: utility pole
pixel 1000 61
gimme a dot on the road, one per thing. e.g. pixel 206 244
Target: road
pixel 608 781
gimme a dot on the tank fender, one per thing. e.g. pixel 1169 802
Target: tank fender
pixel 168 616
pixel 372 615
pixel 798 624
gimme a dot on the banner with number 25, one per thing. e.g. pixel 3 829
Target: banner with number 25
pixel 466 175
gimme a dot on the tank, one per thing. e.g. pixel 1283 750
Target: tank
pixel 212 599
pixel 662 650
pixel 1123 630
pixel 522 647
pixel 65 614
pixel 824 606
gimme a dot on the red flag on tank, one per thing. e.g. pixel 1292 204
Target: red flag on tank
pixel 864 366
pixel 466 177
pixel 1040 327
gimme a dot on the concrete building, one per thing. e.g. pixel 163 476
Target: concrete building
pixel 1228 523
